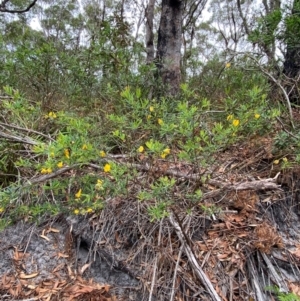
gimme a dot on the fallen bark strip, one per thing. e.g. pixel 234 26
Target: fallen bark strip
pixel 274 275
pixel 193 261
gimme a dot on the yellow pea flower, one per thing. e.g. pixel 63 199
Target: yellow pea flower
pixel 276 162
pixel 229 117
pixel 76 211
pixel 89 210
pixel 78 194
pixel 52 115
pixel 160 121
pixel 52 155
pixel 67 153
pixel 43 171
pixel 99 184
pixel 1 209
pixel 227 65
pixel 60 164
pixel 163 155
pixel 149 117
pixel 151 108
pixel 167 151
pixel 84 147
pixel 235 122
pixel 284 159
pixel 256 116
pixel 106 168
pixel 141 149
pixel 102 154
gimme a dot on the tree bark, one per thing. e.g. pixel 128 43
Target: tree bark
pixel 169 45
pixel 149 31
pixel 291 67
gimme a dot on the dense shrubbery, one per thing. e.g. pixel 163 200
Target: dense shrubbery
pixel 67 159
pixel 71 110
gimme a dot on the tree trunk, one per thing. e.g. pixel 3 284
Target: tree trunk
pixel 149 31
pixel 169 45
pixel 291 67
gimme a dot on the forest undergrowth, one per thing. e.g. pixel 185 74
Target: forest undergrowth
pixel 168 179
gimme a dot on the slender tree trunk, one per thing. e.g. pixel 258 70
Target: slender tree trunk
pixel 291 67
pixel 169 44
pixel 149 31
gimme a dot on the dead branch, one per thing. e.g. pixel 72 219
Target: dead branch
pixel 3 8
pixel 193 261
pixel 5 125
pixel 13 138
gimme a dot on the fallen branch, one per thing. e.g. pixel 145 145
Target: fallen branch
pixel 13 138
pixel 193 261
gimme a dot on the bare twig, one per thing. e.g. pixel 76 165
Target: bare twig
pixel 280 86
pixel 5 125
pixel 193 261
pixel 13 138
pixel 155 265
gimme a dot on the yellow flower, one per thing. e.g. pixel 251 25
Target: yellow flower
pixel 284 159
pixel 76 211
pixel 160 121
pixel 276 162
pixel 84 147
pixel 43 171
pixel 227 65
pixel 148 117
pixel 141 149
pixel 60 164
pixel 89 210
pixel 151 109
pixel 107 167
pixel 67 153
pixel 1 209
pixel 256 116
pixel 78 194
pixel 235 122
pixel 167 151
pixel 46 171
pixel 163 155
pixel 102 154
pixel 98 186
pixel 52 155
pixel 52 115
pixel 229 117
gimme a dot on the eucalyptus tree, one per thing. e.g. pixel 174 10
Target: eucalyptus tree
pixel 292 55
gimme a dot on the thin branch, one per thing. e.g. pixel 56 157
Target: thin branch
pixel 281 88
pixel 3 8
pixel 4 125
pixel 13 138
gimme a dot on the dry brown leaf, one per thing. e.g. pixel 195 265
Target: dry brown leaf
pixel 59 267
pixel 84 267
pixel 29 276
pixel 295 289
pixel 45 237
pixel 296 252
pixel 62 255
pixel 53 230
